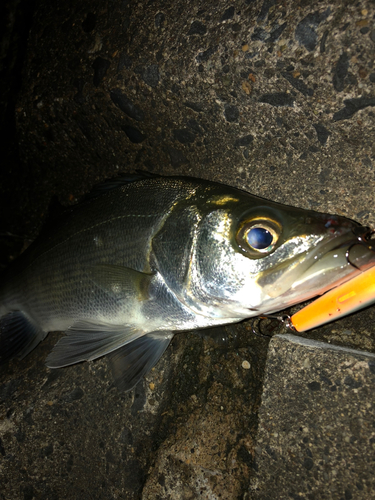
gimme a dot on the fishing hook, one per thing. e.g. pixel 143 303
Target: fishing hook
pixel 284 319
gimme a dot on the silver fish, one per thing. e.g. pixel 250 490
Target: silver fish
pixel 126 269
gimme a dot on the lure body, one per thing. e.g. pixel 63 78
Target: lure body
pixel 355 294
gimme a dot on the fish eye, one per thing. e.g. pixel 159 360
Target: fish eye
pixel 258 237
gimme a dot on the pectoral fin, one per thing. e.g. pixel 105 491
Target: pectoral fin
pixel 85 341
pixel 132 361
pixel 121 281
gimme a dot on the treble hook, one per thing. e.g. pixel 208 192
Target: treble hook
pixel 284 319
pixel 260 334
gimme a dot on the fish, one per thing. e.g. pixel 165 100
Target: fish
pixel 145 257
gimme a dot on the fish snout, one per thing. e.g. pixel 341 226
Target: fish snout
pixel 340 225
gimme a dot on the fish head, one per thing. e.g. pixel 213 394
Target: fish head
pixel 250 256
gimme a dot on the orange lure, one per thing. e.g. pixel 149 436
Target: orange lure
pixel 349 297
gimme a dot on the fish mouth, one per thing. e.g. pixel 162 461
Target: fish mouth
pixel 328 265
pixel 353 249
pixel 339 261
pixel 361 254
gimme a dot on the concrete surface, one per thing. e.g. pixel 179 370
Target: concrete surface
pixel 273 97
pixel 316 435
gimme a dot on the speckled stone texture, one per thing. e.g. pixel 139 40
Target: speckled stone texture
pixel 264 95
pixel 316 435
pixel 273 97
pixel 186 431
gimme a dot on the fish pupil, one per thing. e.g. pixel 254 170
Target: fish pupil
pixel 259 238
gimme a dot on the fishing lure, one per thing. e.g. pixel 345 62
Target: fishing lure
pixel 355 294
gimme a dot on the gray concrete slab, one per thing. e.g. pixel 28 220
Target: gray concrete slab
pixel 316 437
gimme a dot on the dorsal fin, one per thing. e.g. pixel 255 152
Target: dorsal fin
pixel 117 182
pixel 58 211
